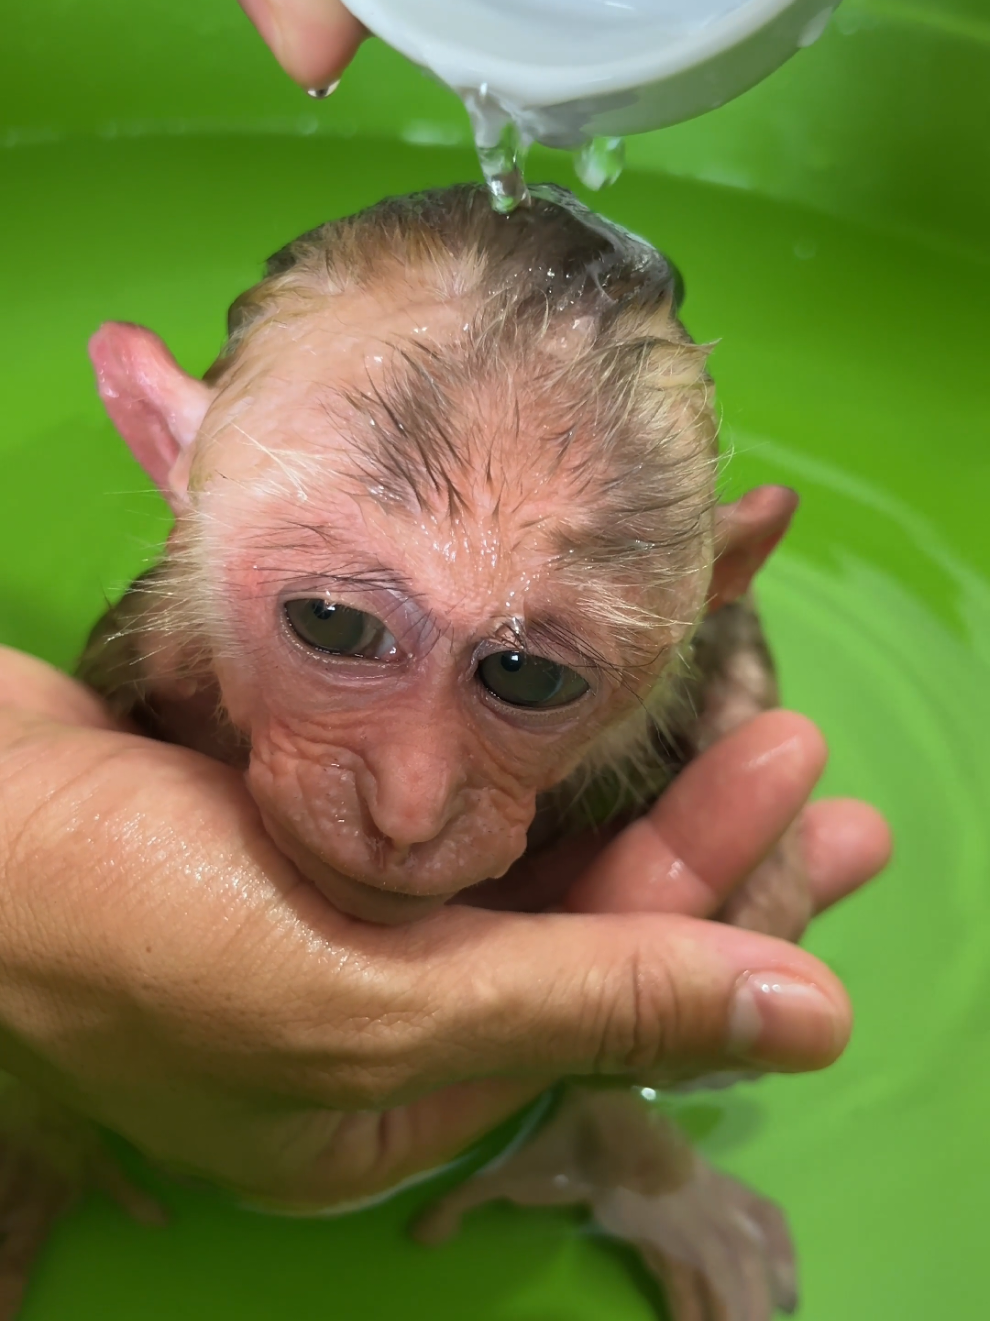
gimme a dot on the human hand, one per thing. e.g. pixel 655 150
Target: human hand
pixel 313 40
pixel 707 833
pixel 165 970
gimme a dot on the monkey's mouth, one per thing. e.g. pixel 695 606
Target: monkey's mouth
pixel 354 898
pixel 368 903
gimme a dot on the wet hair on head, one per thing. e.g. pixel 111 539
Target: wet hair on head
pixel 554 254
pixel 623 413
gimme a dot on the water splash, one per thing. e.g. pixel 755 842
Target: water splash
pixel 502 138
pixel 502 166
pixel 502 146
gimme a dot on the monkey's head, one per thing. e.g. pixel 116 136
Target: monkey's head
pixel 445 519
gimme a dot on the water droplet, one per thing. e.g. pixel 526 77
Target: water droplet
pixel 501 150
pixel 502 166
pixel 600 161
pixel 321 93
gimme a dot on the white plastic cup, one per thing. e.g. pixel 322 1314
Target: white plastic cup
pixel 566 71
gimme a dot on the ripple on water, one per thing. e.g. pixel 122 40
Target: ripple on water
pixel 904 700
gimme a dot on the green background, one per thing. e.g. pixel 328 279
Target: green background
pixel 832 226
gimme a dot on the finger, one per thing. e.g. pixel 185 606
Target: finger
pixel 24 1235
pixel 313 40
pixel 442 1220
pixel 372 1152
pixel 487 994
pixel 714 824
pixel 138 1204
pixel 780 1257
pixel 845 843
pixel 30 686
pixel 684 1289
pixel 436 1224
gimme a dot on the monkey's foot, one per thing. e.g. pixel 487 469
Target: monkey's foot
pixel 48 1158
pixel 720 1251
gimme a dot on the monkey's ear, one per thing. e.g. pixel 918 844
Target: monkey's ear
pixel 745 534
pixel 156 406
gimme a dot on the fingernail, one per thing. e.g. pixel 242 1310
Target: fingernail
pixel 321 93
pixel 781 1023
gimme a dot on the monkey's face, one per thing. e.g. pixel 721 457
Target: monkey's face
pixel 405 704
pixel 413 669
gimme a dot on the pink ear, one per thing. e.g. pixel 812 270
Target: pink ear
pixel 745 534
pixel 153 403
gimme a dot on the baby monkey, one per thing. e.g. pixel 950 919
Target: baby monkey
pixel 448 580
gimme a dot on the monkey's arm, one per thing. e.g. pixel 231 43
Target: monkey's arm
pixel 731 679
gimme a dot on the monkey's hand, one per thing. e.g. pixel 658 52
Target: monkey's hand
pixel 49 1156
pixel 721 1251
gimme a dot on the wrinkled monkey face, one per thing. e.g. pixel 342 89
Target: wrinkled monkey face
pixel 411 767
pixel 410 675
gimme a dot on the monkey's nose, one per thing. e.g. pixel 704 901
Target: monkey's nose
pixel 411 800
pixel 393 853
pixel 407 834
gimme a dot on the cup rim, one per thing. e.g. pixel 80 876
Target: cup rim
pixel 535 83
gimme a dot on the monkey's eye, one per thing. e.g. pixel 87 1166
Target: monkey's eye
pixel 519 679
pixel 339 629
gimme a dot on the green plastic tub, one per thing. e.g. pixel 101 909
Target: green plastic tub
pixel 833 227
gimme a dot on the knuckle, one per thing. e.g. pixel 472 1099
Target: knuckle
pixel 360 1063
pixel 642 1020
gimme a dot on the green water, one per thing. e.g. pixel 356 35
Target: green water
pixel 852 365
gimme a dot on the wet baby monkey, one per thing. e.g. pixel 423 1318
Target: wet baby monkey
pixel 448 580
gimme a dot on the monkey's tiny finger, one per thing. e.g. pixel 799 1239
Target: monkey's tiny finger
pixel 313 40
pixel 846 843
pixel 138 1204
pixel 12 1286
pixel 436 1225
pixel 780 1257
pixel 684 1290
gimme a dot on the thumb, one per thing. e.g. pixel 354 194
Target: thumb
pixel 549 995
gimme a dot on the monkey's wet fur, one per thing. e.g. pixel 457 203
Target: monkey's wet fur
pixel 448 580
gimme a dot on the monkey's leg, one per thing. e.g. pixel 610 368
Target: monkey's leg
pixel 721 1252
pixel 48 1158
pixel 732 680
